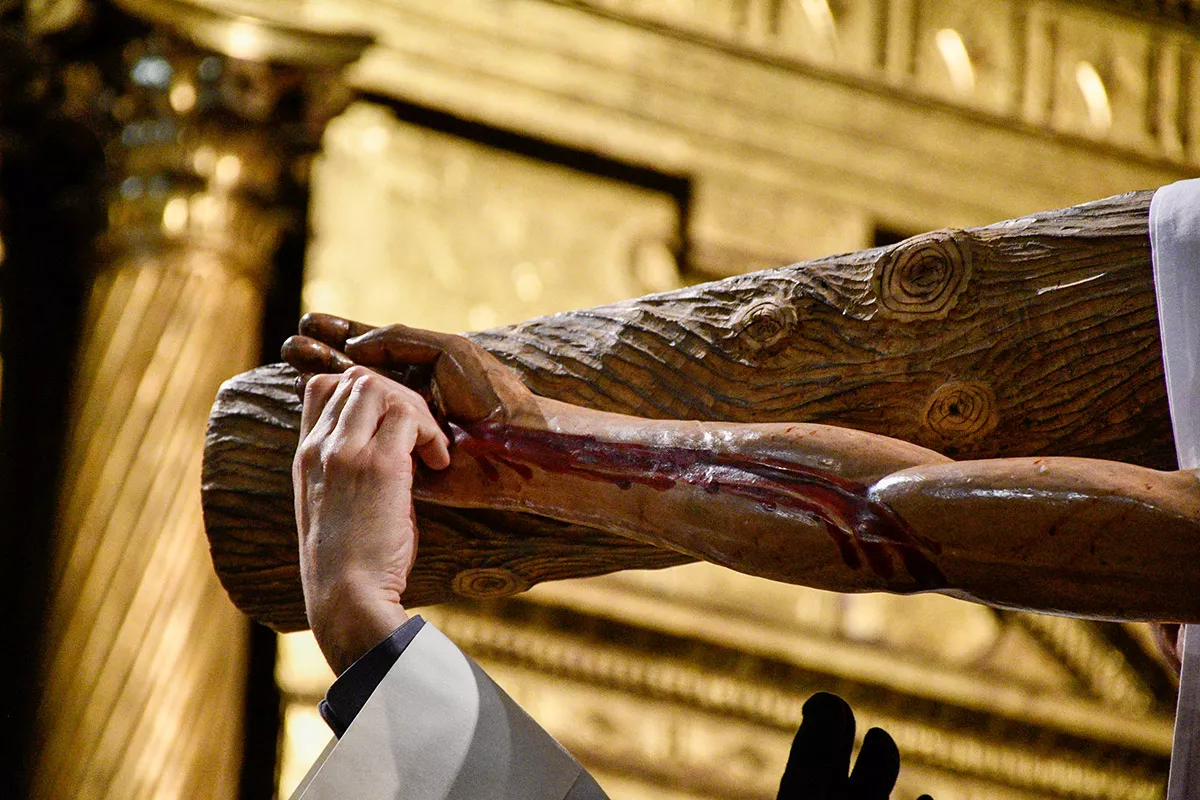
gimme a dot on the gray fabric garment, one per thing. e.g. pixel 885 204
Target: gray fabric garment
pixel 585 788
pixel 1175 245
pixel 438 728
pixel 1175 248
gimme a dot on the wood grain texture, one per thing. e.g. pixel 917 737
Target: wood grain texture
pixel 1034 336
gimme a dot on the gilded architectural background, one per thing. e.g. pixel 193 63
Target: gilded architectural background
pixel 506 159
pixel 803 128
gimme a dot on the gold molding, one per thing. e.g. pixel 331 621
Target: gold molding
pixel 820 649
pixel 636 82
pixel 144 670
pixel 1102 669
pixel 544 663
pixel 254 32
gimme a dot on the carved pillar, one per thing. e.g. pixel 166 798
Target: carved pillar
pixel 49 167
pixel 144 664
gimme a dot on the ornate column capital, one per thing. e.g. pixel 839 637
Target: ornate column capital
pixel 217 118
pixel 253 32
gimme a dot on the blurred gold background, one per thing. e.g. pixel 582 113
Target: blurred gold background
pixel 503 159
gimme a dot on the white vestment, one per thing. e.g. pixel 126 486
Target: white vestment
pixel 438 728
pixel 1175 242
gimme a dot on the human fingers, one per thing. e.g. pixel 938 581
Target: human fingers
pixel 820 758
pixel 369 396
pixel 328 418
pixel 317 392
pixel 323 398
pixel 332 330
pixel 309 355
pixel 409 427
pixel 876 769
pixel 301 384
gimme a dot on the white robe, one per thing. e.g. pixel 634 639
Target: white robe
pixel 438 728
pixel 1175 242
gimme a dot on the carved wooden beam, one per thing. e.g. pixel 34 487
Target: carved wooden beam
pixel 1033 336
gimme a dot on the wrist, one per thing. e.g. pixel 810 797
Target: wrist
pixel 350 623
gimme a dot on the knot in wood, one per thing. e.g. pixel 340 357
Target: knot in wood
pixel 922 278
pixel 961 410
pixel 763 324
pixel 482 583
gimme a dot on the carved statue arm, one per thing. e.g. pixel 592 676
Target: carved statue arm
pixel 810 504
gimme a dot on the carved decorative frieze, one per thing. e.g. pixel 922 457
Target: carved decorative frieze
pixel 1094 75
pixel 669 710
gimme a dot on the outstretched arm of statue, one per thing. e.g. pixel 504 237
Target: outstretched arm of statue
pixel 361 438
pixel 822 506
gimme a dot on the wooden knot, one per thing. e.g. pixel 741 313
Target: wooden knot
pixel 482 583
pixel 961 410
pixel 764 324
pixel 922 278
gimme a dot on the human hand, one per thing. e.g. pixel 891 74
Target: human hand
pixel 353 476
pixel 463 382
pixel 818 767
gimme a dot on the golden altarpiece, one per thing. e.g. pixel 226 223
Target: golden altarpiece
pixel 497 160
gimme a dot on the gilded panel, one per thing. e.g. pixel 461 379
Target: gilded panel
pixel 954 652
pixel 668 713
pixel 723 18
pixel 738 225
pixel 1187 112
pixel 969 53
pixel 744 110
pixel 847 34
pixel 417 226
pixel 1100 76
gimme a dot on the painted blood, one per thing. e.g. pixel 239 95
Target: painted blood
pixel 855 523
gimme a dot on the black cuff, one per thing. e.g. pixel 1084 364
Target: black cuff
pixel 350 692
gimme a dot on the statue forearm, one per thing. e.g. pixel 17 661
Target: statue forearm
pixel 787 502
pixel 1085 537
pixel 846 510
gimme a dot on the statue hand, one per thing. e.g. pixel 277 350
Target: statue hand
pixel 459 382
pixel 818 767
pixel 317 350
pixel 463 381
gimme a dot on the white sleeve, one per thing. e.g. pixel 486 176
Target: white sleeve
pixel 1175 247
pixel 438 728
